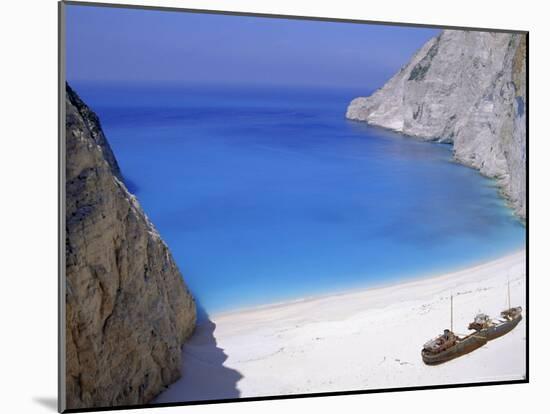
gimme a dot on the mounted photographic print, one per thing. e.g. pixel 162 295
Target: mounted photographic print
pixel 258 206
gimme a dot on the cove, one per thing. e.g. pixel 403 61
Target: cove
pixel 267 194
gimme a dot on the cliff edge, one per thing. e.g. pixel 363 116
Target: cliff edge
pixel 467 88
pixel 128 311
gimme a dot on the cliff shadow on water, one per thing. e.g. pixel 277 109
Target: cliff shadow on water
pixel 203 374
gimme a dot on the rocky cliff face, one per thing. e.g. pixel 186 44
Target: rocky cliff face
pixel 128 310
pixel 467 88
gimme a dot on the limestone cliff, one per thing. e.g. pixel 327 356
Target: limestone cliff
pixel 467 88
pixel 128 310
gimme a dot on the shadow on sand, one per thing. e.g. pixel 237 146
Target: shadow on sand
pixel 204 377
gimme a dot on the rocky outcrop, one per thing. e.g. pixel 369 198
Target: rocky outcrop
pixel 467 88
pixel 128 310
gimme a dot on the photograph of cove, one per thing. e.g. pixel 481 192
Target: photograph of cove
pixel 258 207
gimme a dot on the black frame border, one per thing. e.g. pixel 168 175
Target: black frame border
pixel 61 207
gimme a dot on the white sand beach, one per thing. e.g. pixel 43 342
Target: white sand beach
pixel 356 341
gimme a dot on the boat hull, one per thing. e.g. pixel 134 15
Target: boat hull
pixel 465 346
pixel 497 331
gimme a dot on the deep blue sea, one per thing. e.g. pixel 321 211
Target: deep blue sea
pixel 269 194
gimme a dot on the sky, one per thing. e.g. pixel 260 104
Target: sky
pixel 130 45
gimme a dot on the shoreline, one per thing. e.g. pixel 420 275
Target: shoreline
pixel 361 340
pixel 363 289
pixel 499 182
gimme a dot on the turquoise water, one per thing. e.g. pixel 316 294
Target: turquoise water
pixel 269 194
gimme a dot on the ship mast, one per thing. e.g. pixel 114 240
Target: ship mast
pixel 509 306
pixel 451 312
